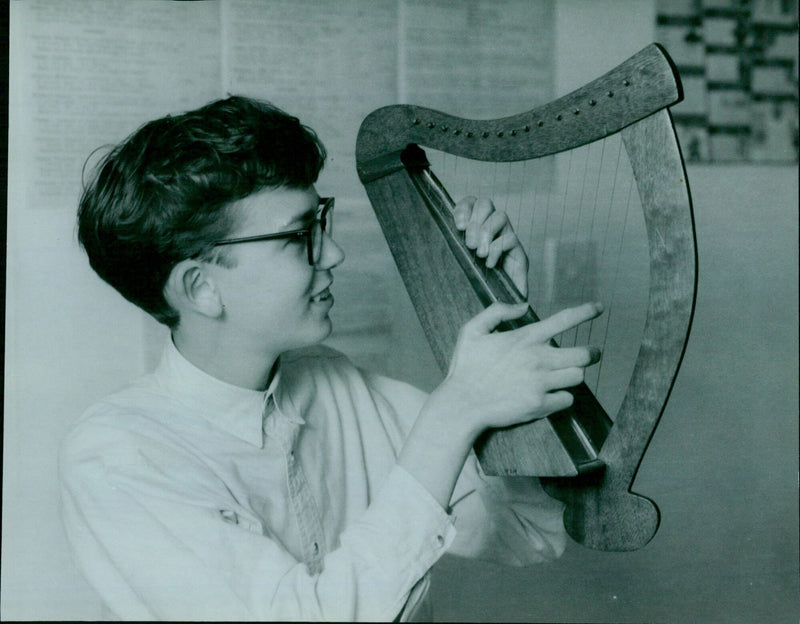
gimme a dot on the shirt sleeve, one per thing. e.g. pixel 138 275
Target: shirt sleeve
pixel 155 546
pixel 508 520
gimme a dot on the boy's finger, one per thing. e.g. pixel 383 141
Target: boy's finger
pixel 562 321
pixel 485 322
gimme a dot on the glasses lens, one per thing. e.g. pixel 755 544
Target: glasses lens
pixel 316 241
pixel 326 218
pixel 321 225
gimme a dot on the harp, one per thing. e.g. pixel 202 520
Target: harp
pixel 588 455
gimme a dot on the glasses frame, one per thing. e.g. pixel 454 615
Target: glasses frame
pixel 324 209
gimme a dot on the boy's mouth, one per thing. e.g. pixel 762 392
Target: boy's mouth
pixel 322 295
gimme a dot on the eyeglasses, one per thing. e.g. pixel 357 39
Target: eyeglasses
pixel 313 234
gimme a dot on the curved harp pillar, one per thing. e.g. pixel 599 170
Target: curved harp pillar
pixel 587 458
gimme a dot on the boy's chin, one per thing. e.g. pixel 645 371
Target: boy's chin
pixel 321 333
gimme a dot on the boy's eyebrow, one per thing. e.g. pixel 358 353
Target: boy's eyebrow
pixel 304 218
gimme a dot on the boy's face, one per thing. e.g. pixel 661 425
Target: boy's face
pixel 274 299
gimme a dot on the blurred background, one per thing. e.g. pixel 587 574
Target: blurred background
pixel 723 464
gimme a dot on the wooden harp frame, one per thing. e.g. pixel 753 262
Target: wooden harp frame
pixel 586 459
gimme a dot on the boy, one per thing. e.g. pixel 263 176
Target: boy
pixel 256 474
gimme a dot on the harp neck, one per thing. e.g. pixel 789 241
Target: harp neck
pixel 640 86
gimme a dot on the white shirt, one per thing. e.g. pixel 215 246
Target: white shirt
pixel 185 497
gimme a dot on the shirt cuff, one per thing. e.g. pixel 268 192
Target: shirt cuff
pixel 421 503
pixel 419 530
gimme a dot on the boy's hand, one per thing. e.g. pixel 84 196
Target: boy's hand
pixel 504 378
pixel 495 380
pixel 489 232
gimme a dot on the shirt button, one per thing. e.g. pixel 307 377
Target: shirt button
pixel 440 540
pixel 315 545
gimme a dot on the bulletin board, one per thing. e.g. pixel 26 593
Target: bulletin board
pixel 738 63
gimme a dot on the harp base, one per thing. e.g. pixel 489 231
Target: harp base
pixel 601 517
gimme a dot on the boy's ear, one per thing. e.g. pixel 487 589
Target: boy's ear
pixel 190 287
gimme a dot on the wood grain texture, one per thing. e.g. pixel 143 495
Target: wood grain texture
pixel 641 85
pixel 444 300
pixel 447 290
pixel 601 511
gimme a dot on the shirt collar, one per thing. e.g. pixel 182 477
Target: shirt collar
pixel 238 411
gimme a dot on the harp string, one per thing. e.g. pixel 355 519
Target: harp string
pixel 574 244
pixel 585 266
pixel 575 215
pixel 584 179
pixel 610 309
pixel 521 193
pixel 586 272
pixel 604 322
pixel 533 210
pixel 559 236
pixel 546 297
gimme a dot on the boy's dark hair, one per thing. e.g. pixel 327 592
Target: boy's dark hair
pixel 162 195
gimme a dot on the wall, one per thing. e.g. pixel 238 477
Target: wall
pixel 722 466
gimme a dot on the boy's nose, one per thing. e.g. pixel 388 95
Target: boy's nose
pixel 332 255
